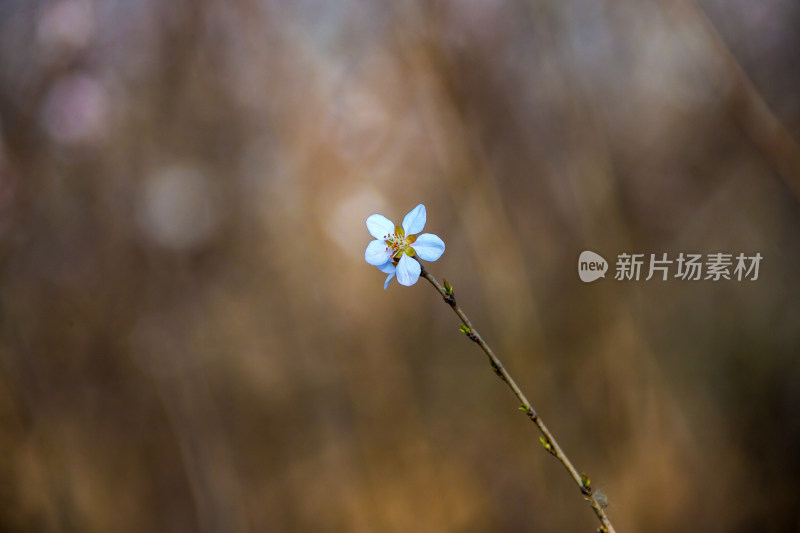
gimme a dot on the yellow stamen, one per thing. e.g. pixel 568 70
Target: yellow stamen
pixel 398 243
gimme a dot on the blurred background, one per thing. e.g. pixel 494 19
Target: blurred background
pixel 190 339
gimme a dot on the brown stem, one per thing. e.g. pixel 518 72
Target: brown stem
pixel 550 442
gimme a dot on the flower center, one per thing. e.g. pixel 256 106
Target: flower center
pixel 399 243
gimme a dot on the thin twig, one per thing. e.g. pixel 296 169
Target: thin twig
pixel 549 442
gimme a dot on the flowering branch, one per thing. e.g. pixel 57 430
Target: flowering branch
pixel 397 251
pixel 597 501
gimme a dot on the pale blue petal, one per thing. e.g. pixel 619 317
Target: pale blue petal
pixel 388 279
pixel 429 247
pixel 387 268
pixel 377 253
pixel 379 226
pixel 414 220
pixel 407 271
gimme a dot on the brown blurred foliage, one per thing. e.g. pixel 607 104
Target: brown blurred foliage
pixel 191 340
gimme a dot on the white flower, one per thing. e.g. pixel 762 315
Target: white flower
pixel 395 246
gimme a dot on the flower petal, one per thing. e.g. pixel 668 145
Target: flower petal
pixel 429 247
pixel 377 253
pixel 407 271
pixel 387 268
pixel 388 279
pixel 414 220
pixel 379 226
